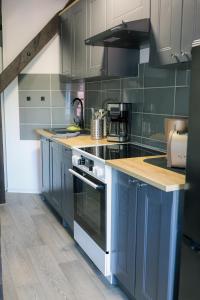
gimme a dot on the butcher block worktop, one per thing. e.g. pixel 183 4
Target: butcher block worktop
pixel 78 141
pixel 163 179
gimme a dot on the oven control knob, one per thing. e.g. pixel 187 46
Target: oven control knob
pixel 75 160
pixel 98 172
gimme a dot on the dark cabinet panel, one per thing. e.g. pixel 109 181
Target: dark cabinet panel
pixel 78 19
pixel 67 206
pixel 124 231
pixel 146 234
pixel 66 45
pixel 55 175
pixel 165 31
pixel 45 156
pixel 156 244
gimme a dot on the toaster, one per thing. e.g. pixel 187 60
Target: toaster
pixel 177 149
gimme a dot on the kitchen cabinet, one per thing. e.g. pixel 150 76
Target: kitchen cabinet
pixel 165 31
pixel 67 203
pixel 45 160
pixel 55 175
pixel 127 10
pixel 174 26
pixel 66 38
pixel 84 19
pixel 78 54
pixel 57 182
pixel 157 229
pixel 146 231
pixel 124 231
pixel 96 23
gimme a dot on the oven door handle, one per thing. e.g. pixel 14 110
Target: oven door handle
pixel 90 183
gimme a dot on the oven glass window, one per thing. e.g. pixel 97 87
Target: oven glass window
pixel 90 211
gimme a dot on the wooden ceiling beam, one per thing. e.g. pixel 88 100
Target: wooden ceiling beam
pixel 31 50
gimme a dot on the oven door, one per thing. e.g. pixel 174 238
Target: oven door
pixel 90 206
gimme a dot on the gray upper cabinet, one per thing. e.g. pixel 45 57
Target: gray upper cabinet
pixel 165 31
pixel 175 24
pixel 78 20
pixel 66 38
pixel 96 23
pixel 126 10
pixel 190 27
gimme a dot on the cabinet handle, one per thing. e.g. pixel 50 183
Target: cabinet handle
pixel 132 181
pixel 175 55
pixel 187 54
pixel 142 184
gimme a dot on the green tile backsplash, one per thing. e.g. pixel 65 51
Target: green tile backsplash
pixel 45 101
pixel 155 94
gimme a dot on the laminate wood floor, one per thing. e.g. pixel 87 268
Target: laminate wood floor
pixel 40 260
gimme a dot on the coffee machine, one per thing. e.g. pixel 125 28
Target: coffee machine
pixel 118 121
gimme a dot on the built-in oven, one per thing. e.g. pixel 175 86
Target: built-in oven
pixel 90 206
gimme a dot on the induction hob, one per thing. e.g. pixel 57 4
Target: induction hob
pixel 117 151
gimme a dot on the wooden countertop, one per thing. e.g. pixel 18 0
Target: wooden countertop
pixel 79 141
pixel 163 179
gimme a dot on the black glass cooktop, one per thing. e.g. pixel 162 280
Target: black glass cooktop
pixel 117 151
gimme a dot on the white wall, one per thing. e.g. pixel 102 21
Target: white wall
pixel 22 20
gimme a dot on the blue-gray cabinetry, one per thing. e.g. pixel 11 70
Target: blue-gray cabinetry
pixel 174 26
pixel 55 175
pixel 124 231
pixel 67 203
pixel 57 182
pixel 45 159
pixel 146 232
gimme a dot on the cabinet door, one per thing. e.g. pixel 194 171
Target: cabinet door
pixel 190 26
pixel 165 31
pixel 127 10
pixel 78 20
pixel 67 206
pixel 45 155
pixel 96 23
pixel 55 175
pixel 124 231
pixel 154 258
pixel 197 20
pixel 66 42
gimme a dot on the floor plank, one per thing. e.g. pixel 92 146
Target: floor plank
pixel 41 261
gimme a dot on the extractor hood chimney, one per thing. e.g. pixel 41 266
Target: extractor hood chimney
pixel 125 35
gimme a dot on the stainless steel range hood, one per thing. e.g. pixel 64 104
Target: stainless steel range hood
pixel 125 35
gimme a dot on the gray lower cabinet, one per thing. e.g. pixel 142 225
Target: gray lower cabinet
pixel 57 182
pixel 145 231
pixel 45 159
pixel 67 203
pixel 124 231
pixel 55 175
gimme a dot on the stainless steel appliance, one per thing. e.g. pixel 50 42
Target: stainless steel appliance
pixel 189 287
pixel 93 198
pixel 176 138
pixel 119 122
